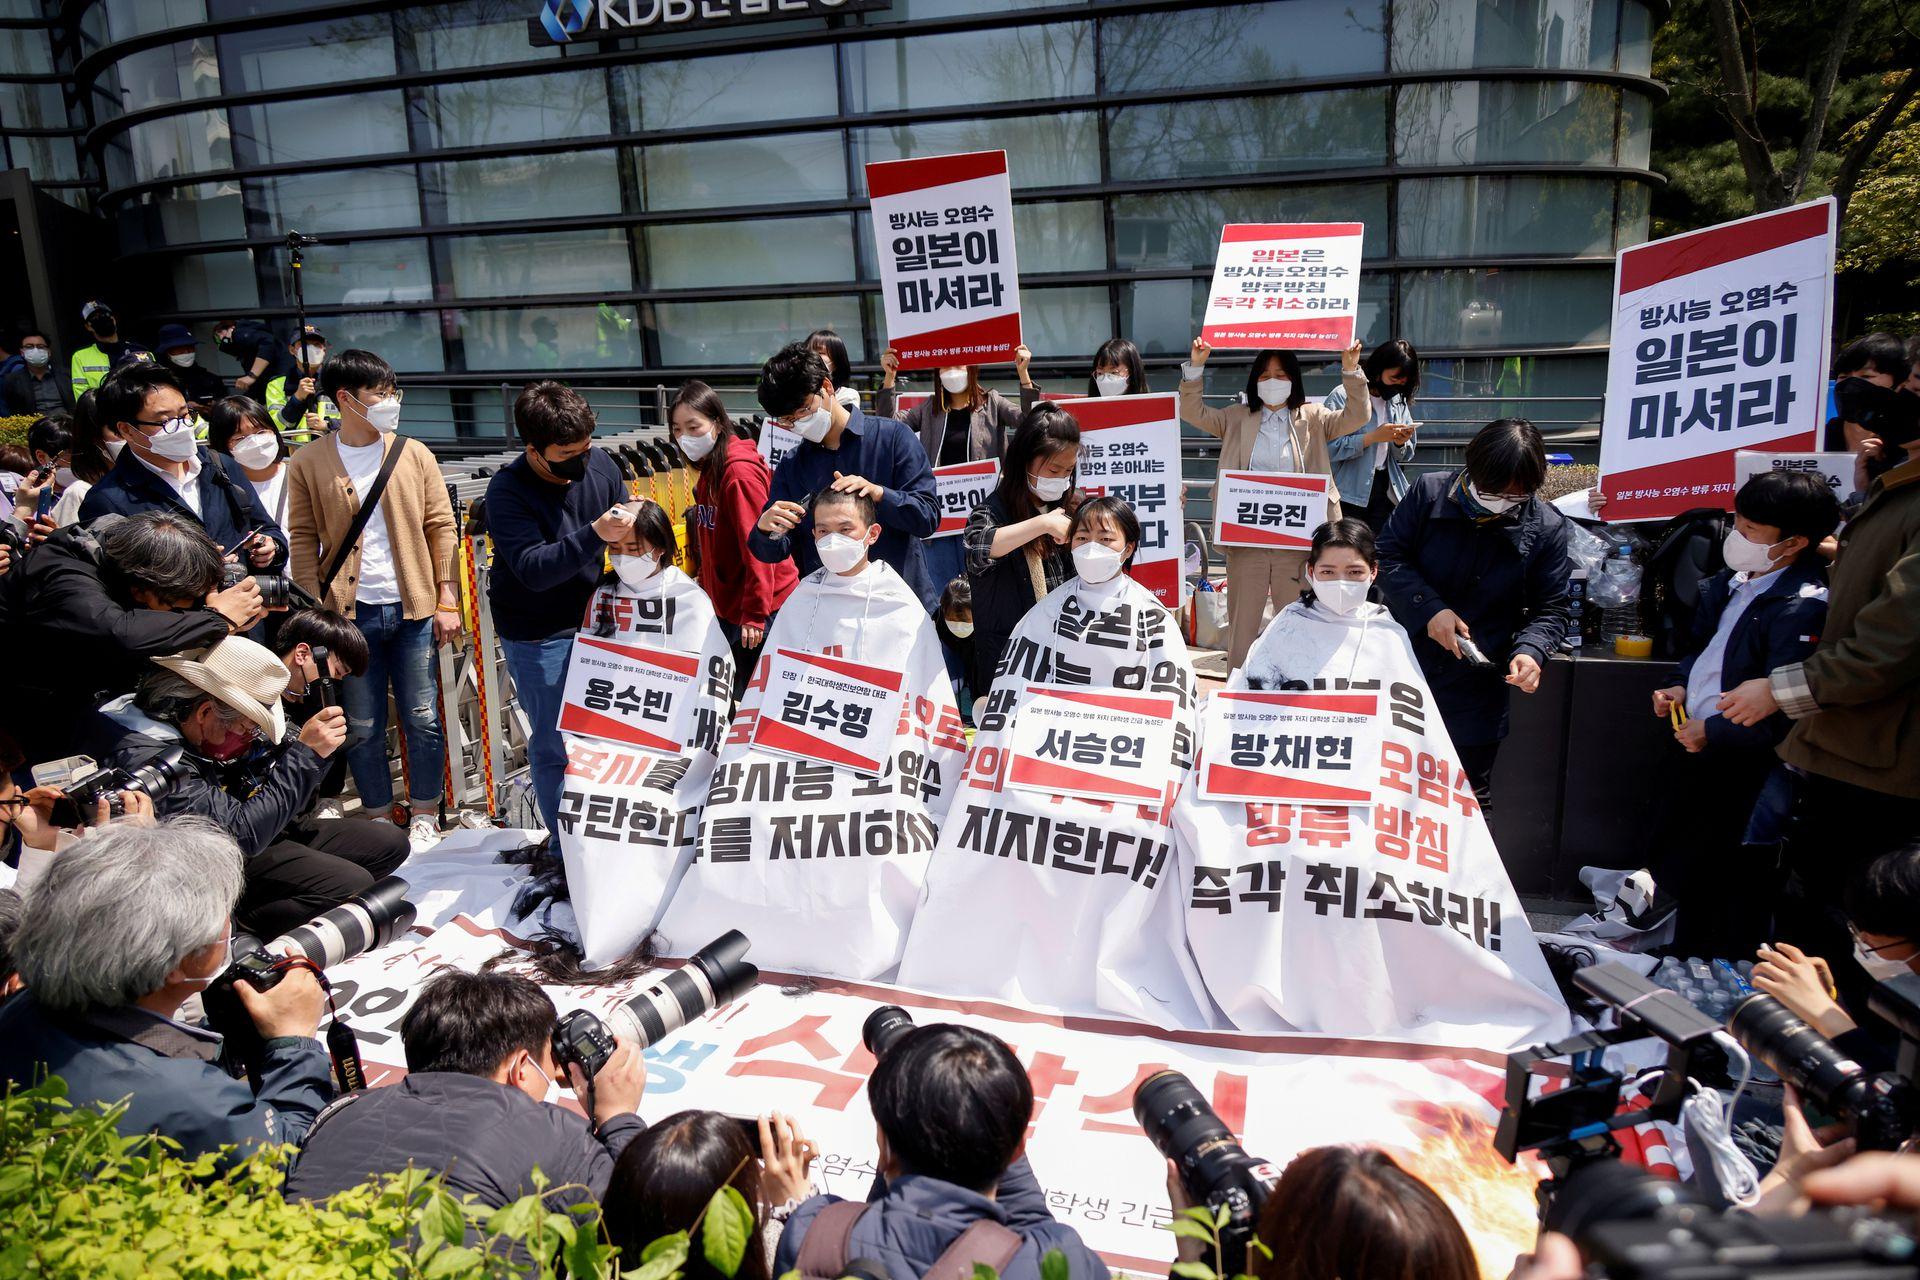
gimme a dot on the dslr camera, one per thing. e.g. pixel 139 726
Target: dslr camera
pixel 712 976
pixel 1631 1224
pixel 277 590
pixel 84 784
pixel 1215 1169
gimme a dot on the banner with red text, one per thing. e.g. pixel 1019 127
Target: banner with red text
pixel 1274 510
pixel 949 278
pixel 962 487
pixel 1130 447
pixel 1285 284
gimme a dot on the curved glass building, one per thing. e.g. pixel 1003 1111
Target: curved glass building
pixel 495 205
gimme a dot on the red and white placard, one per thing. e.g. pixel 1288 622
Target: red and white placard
pixel 1290 747
pixel 1098 744
pixel 832 709
pixel 1276 510
pixel 1719 345
pixel 630 693
pixel 1835 468
pixel 1130 447
pixel 1285 284
pixel 962 487
pixel 949 277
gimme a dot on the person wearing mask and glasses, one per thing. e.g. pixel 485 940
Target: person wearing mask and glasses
pixel 1117 370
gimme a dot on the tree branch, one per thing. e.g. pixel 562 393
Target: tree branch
pixel 1763 180
pixel 1816 129
pixel 1855 161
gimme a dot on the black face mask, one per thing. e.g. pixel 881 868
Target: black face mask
pixel 226 344
pixel 571 469
pixel 1893 416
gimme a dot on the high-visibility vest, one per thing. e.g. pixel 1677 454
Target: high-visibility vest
pixel 301 434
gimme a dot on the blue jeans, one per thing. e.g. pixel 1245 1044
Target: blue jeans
pixel 539 671
pixel 399 653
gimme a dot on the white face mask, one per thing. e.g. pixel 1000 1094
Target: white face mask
pixel 1096 562
pixel 62 477
pixel 1744 555
pixel 1050 488
pixel 175 441
pixel 1110 384
pixel 696 447
pixel 959 630
pixel 36 355
pixel 634 570
pixel 1878 967
pixel 1341 595
pixel 954 380
pixel 226 960
pixel 814 427
pixel 185 359
pixel 840 553
pixel 315 356
pixel 114 447
pixel 1274 392
pixel 257 451
pixel 1494 505
pixel 384 416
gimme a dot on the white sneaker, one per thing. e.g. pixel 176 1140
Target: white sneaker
pixel 423 832
pixel 328 810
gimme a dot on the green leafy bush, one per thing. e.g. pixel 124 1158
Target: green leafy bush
pixel 13 428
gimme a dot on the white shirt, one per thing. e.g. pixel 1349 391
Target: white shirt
pixel 1273 446
pixel 187 486
pixel 1703 682
pixel 378 584
pixel 273 494
pixel 1379 416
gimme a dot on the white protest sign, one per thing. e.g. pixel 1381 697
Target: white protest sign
pixel 1719 345
pixel 629 693
pixel 962 487
pixel 1269 509
pixel 949 279
pixel 1288 747
pixel 776 442
pixel 1835 468
pixel 1098 744
pixel 825 708
pixel 1130 448
pixel 1285 284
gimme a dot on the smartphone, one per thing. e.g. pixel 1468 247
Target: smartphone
pixel 749 1125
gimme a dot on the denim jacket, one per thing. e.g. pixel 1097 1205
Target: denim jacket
pixel 1353 460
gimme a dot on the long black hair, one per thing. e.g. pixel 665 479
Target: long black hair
pixel 1396 355
pixel 88 451
pixel 705 401
pixel 1290 364
pixel 1121 354
pixel 663 1180
pixel 1044 430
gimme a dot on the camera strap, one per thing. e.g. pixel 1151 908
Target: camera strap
pixel 349 1073
pixel 395 446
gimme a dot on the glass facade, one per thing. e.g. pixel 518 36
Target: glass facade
pixel 684 203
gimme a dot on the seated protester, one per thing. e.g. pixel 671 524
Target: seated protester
pixel 221 708
pixel 164 468
pixel 296 642
pixel 124 928
pixel 848 451
pixel 472 1107
pixel 666 1176
pixel 952 1105
pixel 954 623
pixel 92 604
pixel 1766 609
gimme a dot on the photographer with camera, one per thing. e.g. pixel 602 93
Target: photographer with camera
pixel 952 1105
pixel 124 927
pixel 222 708
pixel 300 642
pixel 472 1108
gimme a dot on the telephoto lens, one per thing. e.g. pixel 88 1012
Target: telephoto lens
pixel 1881 1109
pixel 712 976
pixel 362 923
pixel 885 1027
pixel 1214 1168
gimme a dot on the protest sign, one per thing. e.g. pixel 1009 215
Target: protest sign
pixel 1835 468
pixel 1098 744
pixel 1719 345
pixel 1268 509
pixel 776 442
pixel 1130 447
pixel 632 694
pixel 1285 284
pixel 949 278
pixel 816 707
pixel 1290 747
pixel 819 864
pixel 962 487
pixel 1405 898
pixel 1054 899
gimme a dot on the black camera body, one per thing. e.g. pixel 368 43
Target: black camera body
pixel 712 976
pixel 154 779
pixel 277 590
pixel 323 688
pixel 1215 1169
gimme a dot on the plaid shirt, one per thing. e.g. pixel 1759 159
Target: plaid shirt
pixel 977 539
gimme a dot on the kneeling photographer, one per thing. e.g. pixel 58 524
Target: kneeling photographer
pixel 36 824
pixel 123 928
pixel 221 708
pixel 472 1107
pixel 952 1105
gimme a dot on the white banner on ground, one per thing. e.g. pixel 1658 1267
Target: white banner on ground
pixel 635 782
pixel 1130 448
pixel 1269 509
pixel 1719 345
pixel 822 866
pixel 820 707
pixel 949 277
pixel 1058 901
pixel 1835 468
pixel 1285 284
pixel 1394 919
pixel 963 486
pixel 1290 747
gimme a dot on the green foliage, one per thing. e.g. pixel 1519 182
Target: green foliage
pixel 728 1227
pixel 1198 1223
pixel 13 428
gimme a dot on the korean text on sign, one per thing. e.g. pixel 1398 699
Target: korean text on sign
pixel 962 487
pixel 1290 747
pixel 1834 468
pixel 1285 284
pixel 1268 509
pixel 1098 744
pixel 829 709
pixel 1130 448
pixel 630 693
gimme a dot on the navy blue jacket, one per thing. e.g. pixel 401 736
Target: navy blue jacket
pixel 885 451
pixel 165 1071
pixel 1780 626
pixel 909 1227
pixel 546 556
pixel 1507 579
pixel 229 508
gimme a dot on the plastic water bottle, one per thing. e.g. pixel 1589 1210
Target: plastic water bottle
pixel 1621 591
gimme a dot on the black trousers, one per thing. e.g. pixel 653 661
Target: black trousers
pixel 1477 760
pixel 293 880
pixel 1379 503
pixel 1726 887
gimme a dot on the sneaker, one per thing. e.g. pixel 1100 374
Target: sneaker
pixel 423 832
pixel 327 811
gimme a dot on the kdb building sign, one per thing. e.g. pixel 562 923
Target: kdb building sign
pixel 565 21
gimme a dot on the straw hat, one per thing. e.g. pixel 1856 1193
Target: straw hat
pixel 242 676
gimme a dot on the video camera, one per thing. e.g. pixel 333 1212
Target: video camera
pixel 712 976
pixel 83 784
pixel 1629 1223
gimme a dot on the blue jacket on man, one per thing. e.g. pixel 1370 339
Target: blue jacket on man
pixel 885 451
pixel 1780 626
pixel 229 508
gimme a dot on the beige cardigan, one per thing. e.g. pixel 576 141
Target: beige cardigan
pixel 1313 425
pixel 321 503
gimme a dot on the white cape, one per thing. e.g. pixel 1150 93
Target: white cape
pixel 1058 901
pixel 818 865
pixel 628 815
pixel 1317 919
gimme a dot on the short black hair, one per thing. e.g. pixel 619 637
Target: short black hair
pixel 470 1023
pixel 550 413
pixel 356 371
pixel 164 552
pixel 1121 354
pixel 226 415
pixel 954 1104
pixel 1396 354
pixel 52 434
pixel 1115 508
pixel 957 595
pixel 123 396
pixel 862 504
pixel 1349 533
pixel 1884 896
pixel 1881 352
pixel 1506 455
pixel 1290 365
pixel 325 627
pixel 789 376
pixel 839 362
pixel 20 338
pixel 655 527
pixel 1799 505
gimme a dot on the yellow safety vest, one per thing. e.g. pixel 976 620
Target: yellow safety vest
pixel 302 434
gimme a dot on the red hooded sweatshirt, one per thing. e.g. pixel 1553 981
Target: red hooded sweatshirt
pixel 729 498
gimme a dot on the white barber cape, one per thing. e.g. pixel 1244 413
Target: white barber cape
pixel 1058 901
pixel 1390 919
pixel 819 865
pixel 628 814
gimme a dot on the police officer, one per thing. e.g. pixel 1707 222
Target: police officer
pixel 92 364
pixel 201 385
pixel 304 414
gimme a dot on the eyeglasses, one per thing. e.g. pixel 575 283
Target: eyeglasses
pixel 181 423
pixel 1874 951
pixel 804 411
pixel 13 804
